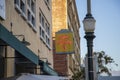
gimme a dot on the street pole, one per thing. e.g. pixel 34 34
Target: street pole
pixel 89 27
pixel 89 37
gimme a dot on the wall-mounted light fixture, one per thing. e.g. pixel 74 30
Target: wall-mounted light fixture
pixel 23 40
pixel 46 61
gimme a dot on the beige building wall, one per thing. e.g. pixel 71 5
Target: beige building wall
pixel 18 24
pixel 45 52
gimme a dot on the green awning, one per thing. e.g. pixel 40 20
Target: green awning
pixel 12 41
pixel 47 69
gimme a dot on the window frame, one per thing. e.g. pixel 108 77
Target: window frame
pixel 20 6
pixel 32 21
pixel 23 6
pixel 47 2
pixel 44 24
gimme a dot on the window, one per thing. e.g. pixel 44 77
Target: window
pixel 27 11
pixel 17 2
pixel 22 6
pixel 44 29
pixel 47 2
pixel 42 22
pixel 40 17
pixel 33 21
pixel 48 41
pixel 32 6
pixel 47 29
pixel 40 30
pixel 17 5
pixel 31 13
pixel 28 2
pixel 43 34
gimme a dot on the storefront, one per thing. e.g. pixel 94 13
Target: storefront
pixel 24 60
pixel 12 41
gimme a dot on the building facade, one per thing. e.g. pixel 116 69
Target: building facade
pixel 65 16
pixel 26 21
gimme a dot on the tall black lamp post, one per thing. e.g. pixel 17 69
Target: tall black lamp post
pixel 89 27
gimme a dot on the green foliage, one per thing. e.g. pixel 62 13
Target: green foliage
pixel 79 75
pixel 103 61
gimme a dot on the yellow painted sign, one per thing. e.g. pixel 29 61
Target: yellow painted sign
pixel 64 42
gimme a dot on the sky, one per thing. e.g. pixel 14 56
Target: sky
pixel 107 28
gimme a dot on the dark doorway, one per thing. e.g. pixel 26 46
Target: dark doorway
pixel 23 65
pixel 2 62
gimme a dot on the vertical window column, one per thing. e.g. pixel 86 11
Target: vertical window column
pixel 31 13
pixel 22 6
pixel 44 29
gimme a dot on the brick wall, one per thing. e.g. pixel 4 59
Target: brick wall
pixel 60 62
